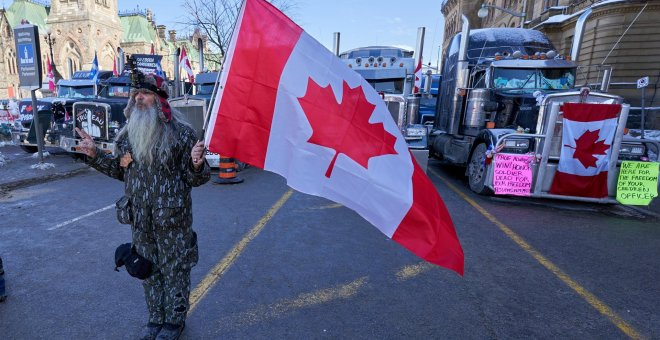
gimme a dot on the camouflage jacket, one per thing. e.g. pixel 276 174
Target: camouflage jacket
pixel 163 184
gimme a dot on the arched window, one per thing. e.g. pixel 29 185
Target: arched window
pixel 71 53
pixel 107 57
pixel 11 61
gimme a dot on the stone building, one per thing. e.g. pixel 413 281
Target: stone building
pixel 80 28
pixel 619 33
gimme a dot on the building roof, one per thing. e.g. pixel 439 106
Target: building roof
pixel 30 10
pixel 136 28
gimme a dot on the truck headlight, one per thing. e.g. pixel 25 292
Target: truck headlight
pixel 416 131
pixel 517 145
pixel 628 150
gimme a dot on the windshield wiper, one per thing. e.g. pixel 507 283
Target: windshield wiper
pixel 527 81
pixel 548 83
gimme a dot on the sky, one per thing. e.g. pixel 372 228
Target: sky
pixel 361 23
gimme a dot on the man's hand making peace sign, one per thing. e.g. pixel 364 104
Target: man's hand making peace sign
pixel 86 145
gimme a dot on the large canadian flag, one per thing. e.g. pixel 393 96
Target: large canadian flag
pixel 286 104
pixel 587 134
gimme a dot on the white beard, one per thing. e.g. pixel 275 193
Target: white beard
pixel 146 134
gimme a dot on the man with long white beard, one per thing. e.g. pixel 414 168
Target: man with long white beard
pixel 159 160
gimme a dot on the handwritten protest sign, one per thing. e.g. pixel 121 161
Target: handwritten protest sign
pixel 512 174
pixel 638 183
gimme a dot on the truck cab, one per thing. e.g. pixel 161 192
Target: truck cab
pixel 389 70
pixel 55 112
pixel 102 116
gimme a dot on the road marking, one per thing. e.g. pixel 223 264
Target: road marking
pixel 408 272
pixel 279 309
pixel 80 217
pixel 329 206
pixel 585 294
pixel 221 267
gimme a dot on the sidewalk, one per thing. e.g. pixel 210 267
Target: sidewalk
pixel 16 171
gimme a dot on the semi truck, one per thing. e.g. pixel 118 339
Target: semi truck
pixel 102 116
pixel 196 107
pixel 390 71
pixel 54 112
pixel 502 91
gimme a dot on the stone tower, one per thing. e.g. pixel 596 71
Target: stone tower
pixel 80 28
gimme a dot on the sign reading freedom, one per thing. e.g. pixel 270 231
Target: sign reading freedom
pixel 512 174
pixel 638 183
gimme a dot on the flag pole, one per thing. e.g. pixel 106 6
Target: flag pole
pixel 217 79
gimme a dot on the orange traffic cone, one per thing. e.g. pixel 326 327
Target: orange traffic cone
pixel 227 174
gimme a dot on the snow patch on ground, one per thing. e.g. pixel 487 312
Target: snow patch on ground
pixel 3 160
pixel 42 166
pixel 45 153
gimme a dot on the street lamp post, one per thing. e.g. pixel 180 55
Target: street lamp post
pixel 483 12
pixel 50 41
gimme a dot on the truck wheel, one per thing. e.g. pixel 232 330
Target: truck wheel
pixel 477 171
pixel 29 148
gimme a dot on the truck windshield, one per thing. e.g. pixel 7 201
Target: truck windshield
pixel 390 86
pixel 119 91
pixel 75 91
pixel 511 78
pixel 544 79
pixel 557 78
pixel 205 88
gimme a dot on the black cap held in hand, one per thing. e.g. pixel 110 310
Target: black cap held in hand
pixel 136 265
pixel 121 253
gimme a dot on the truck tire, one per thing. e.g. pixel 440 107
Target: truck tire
pixel 29 148
pixel 477 170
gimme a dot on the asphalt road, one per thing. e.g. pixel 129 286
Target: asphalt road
pixel 275 264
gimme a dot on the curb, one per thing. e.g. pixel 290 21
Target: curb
pixel 38 180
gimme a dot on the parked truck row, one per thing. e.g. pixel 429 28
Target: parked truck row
pixel 501 90
pixel 98 108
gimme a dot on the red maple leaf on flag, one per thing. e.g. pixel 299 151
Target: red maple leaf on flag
pixel 344 126
pixel 586 146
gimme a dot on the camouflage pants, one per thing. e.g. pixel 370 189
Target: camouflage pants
pixel 164 236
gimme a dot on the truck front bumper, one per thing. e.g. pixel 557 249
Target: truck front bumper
pixel 70 145
pixel 20 138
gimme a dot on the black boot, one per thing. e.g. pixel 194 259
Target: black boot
pixel 150 331
pixel 170 331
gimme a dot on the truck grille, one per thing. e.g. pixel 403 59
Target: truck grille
pixel 193 110
pixel 93 118
pixel 394 108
